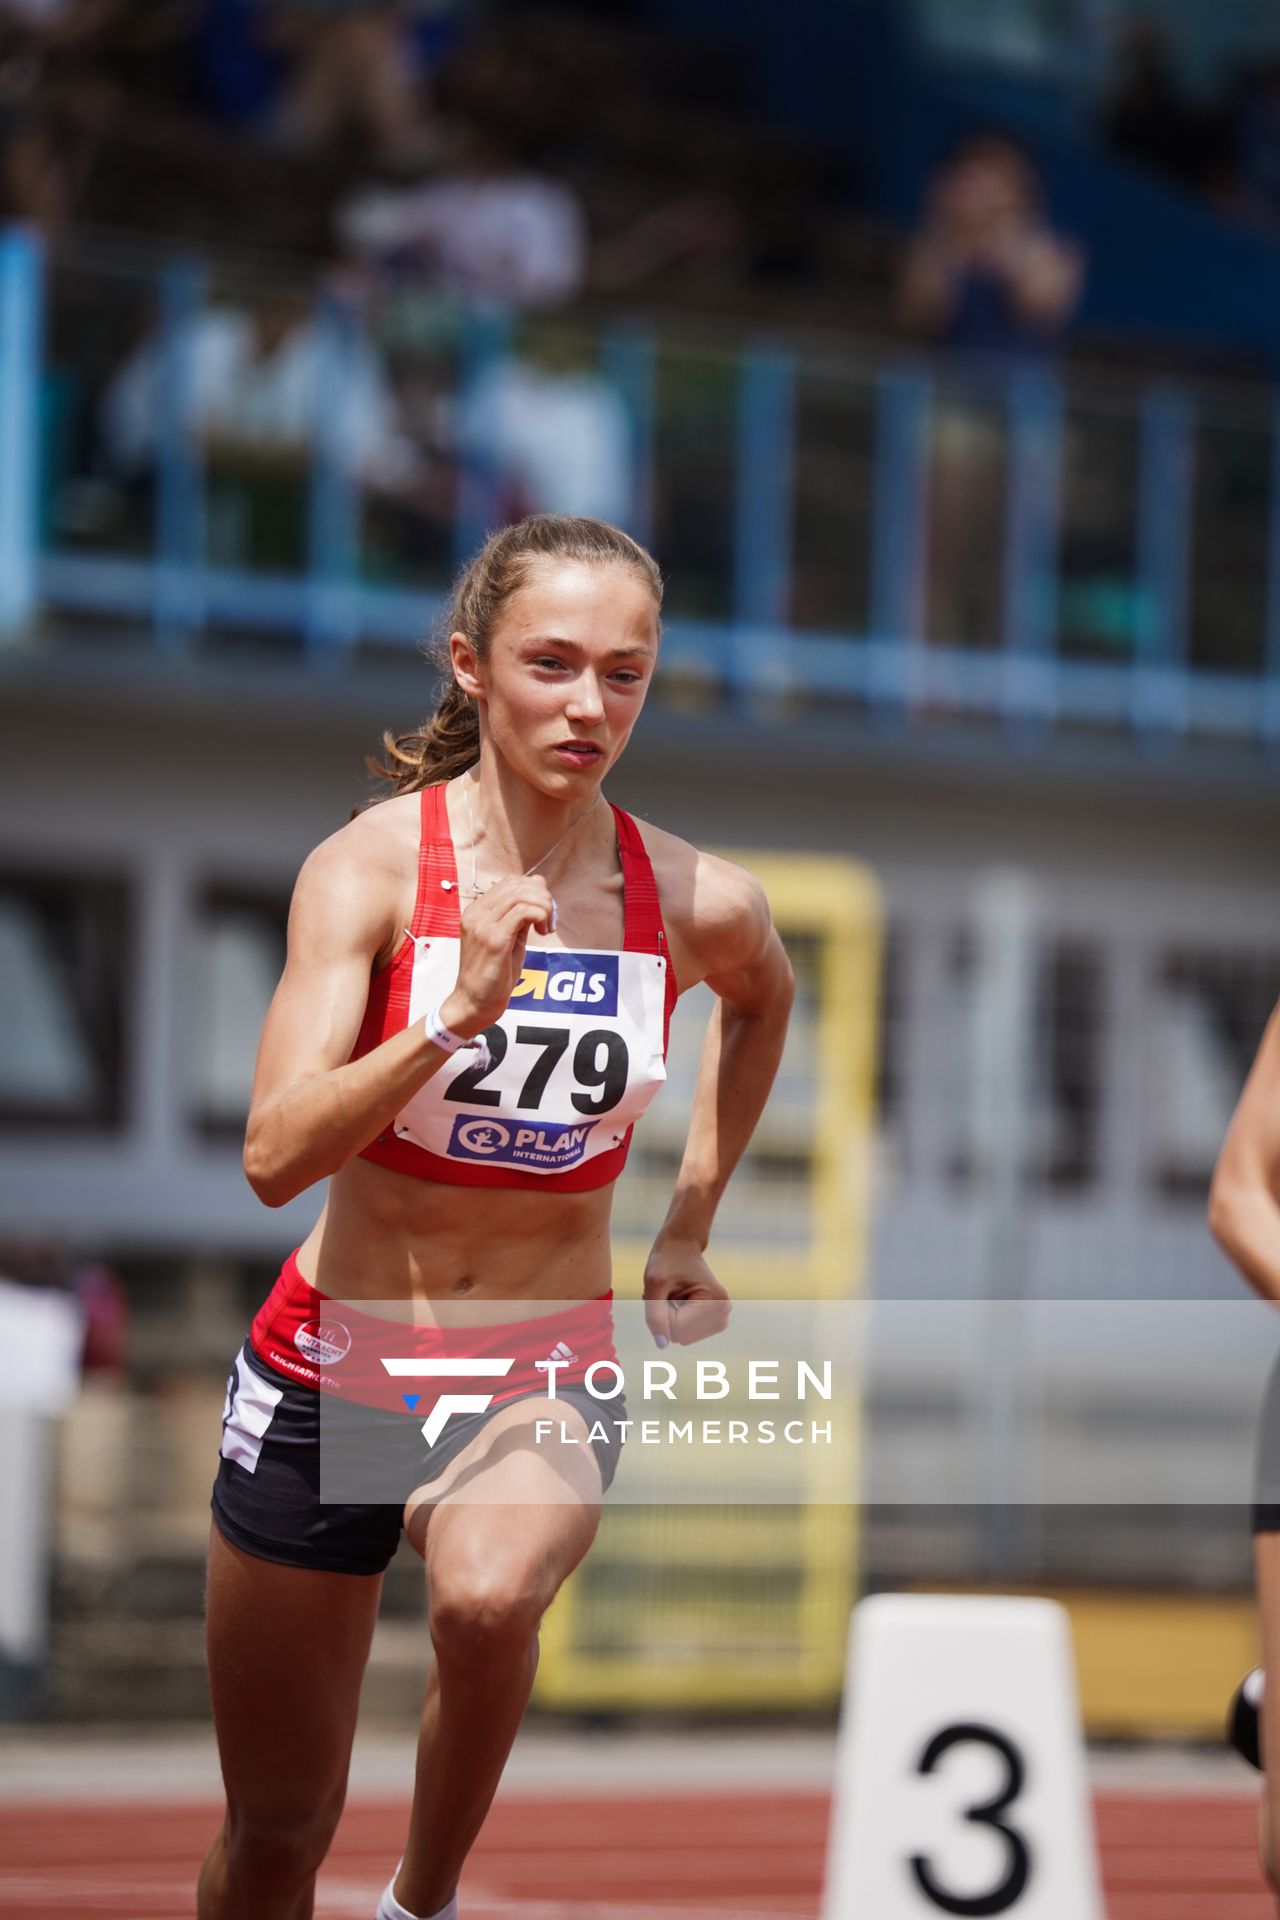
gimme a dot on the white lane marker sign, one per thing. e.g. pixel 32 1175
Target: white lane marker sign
pixel 960 1778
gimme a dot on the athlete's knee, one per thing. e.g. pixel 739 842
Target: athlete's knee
pixel 279 1848
pixel 482 1611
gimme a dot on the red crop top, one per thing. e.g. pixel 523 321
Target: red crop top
pixel 577 1055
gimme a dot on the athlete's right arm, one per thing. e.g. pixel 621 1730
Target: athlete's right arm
pixel 1244 1210
pixel 313 1108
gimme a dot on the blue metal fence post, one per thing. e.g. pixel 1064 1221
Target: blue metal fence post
pixel 20 375
pixel 629 360
pixel 486 339
pixel 1159 685
pixel 762 522
pixel 177 596
pixel 1031 543
pixel 333 617
pixel 904 402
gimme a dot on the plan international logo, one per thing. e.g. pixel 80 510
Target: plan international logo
pixel 548 1143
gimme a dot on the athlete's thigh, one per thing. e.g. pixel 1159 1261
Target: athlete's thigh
pixel 287 1649
pixel 516 1502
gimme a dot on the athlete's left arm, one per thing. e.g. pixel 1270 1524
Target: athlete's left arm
pixel 736 950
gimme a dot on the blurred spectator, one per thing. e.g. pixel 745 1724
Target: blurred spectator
pixel 493 231
pixel 59 94
pixel 986 272
pixel 341 75
pixel 357 80
pixel 104 1307
pixel 1147 116
pixel 409 535
pixel 259 378
pixel 554 439
pixel 44 165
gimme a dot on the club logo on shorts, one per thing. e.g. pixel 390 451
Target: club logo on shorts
pixel 323 1342
pixel 543 1147
pixel 578 982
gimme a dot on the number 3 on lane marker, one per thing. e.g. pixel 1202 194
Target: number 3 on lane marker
pixel 960 1785
pixel 1014 1882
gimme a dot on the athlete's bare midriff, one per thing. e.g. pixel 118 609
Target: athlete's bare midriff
pixel 388 1236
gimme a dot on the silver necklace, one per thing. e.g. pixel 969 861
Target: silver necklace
pixel 475 889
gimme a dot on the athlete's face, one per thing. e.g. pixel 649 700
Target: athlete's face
pixel 568 667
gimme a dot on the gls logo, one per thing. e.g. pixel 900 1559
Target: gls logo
pixel 586 980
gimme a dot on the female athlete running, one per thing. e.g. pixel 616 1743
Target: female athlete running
pixel 401 958
pixel 1244 1215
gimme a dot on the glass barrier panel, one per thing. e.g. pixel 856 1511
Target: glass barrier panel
pixel 409 479
pixel 695 432
pixel 1230 544
pixel 98 409
pixel 1100 599
pixel 258 368
pixel 564 435
pixel 966 485
pixel 833 463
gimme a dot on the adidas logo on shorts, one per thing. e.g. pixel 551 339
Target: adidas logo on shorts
pixel 562 1355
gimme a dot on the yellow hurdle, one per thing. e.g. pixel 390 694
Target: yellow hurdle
pixel 747 1606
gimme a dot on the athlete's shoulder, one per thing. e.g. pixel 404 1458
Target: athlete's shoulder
pixel 373 842
pixel 355 879
pixel 716 913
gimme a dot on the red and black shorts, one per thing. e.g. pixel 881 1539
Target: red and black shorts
pixel 268 1497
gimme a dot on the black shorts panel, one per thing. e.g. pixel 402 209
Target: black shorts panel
pixel 266 1497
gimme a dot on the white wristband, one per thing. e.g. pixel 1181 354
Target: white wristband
pixel 443 1037
pixel 449 1042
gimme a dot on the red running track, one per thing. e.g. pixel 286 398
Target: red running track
pixel 689 1856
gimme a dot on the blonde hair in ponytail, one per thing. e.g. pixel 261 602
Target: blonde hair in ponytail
pixel 449 742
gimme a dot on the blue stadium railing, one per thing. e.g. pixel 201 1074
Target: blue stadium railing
pixel 1093 643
